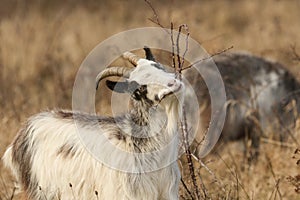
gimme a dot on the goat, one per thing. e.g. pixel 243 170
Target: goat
pixel 257 92
pixel 49 161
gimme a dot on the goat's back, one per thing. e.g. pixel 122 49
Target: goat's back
pixel 255 87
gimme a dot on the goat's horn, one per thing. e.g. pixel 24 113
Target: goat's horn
pixel 113 71
pixel 131 57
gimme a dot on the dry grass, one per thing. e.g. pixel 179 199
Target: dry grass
pixel 42 45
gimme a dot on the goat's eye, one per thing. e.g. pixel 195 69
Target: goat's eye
pixel 143 89
pixel 140 93
pixel 137 95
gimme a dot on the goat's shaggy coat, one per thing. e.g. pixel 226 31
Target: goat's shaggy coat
pixel 257 91
pixel 49 161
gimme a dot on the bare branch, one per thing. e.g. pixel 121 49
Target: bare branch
pixel 183 123
pixel 278 143
pixel 186 48
pixel 173 47
pixel 202 164
pixel 295 55
pixel 209 57
pixel 181 60
pixel 155 15
pixel 178 48
pixel 205 192
pixel 234 175
pixel 187 189
pixel 276 180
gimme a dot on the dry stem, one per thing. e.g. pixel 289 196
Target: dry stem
pixel 209 57
pixel 183 122
pixel 295 55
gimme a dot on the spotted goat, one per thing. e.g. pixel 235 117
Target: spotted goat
pixel 260 94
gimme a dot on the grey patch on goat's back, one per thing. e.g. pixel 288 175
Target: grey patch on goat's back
pixel 83 118
pixel 22 156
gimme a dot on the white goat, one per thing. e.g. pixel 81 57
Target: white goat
pixel 49 160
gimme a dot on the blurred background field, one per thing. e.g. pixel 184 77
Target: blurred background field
pixel 42 44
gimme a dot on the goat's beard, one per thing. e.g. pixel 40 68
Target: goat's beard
pixel 173 108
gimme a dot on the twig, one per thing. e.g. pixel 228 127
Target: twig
pixel 180 63
pixel 186 48
pixel 296 56
pixel 205 192
pixel 276 189
pixel 187 189
pixel 178 49
pixel 13 193
pixel 234 175
pixel 237 186
pixel 210 172
pixel 213 38
pixel 173 48
pixel 228 194
pixel 201 141
pixel 188 153
pixel 283 144
pixel 156 20
pixel 208 57
pixel 183 122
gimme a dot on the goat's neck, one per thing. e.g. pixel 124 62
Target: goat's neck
pixel 152 120
pixel 154 131
pixel 140 113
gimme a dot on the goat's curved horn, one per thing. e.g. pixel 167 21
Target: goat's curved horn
pixel 131 57
pixel 113 71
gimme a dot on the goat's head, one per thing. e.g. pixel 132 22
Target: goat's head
pixel 148 82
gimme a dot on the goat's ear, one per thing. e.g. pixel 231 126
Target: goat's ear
pixel 122 87
pixel 149 55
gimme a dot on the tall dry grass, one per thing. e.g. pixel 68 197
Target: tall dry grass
pixel 42 44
